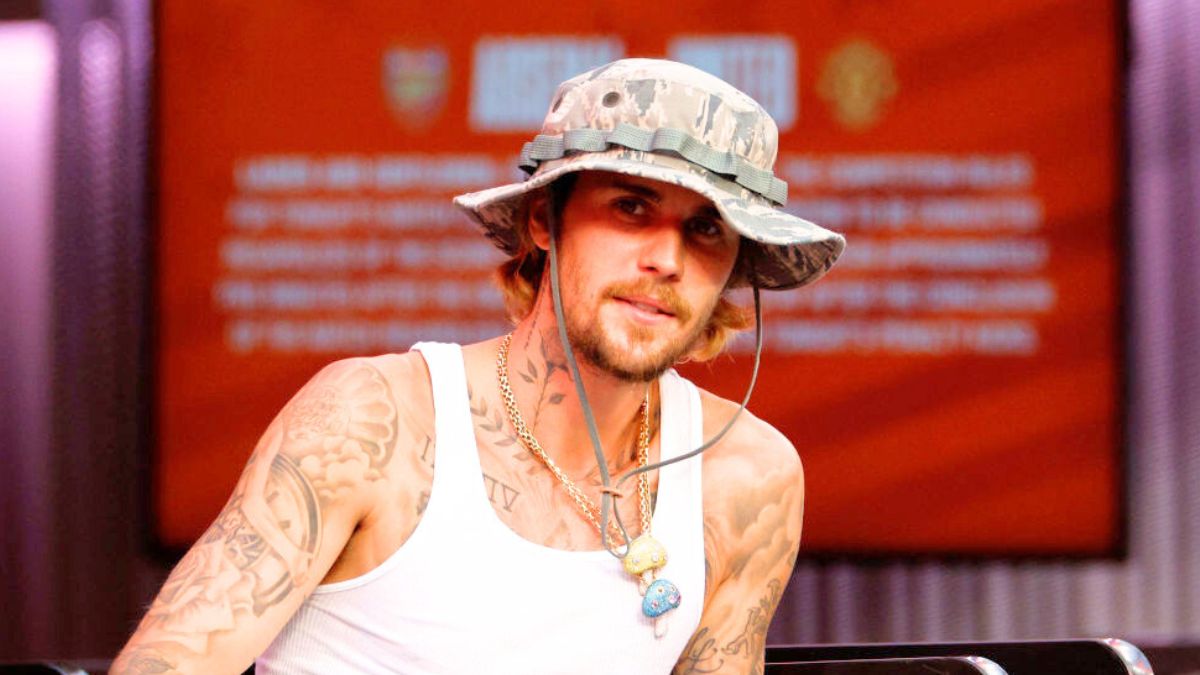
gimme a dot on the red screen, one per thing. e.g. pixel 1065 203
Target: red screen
pixel 952 386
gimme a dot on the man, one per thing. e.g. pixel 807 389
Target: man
pixel 361 538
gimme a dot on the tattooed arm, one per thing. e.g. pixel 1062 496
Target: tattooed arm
pixel 753 507
pixel 309 482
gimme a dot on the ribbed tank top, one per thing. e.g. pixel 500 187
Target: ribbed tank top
pixel 466 594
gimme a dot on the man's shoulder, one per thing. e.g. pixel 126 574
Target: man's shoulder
pixel 395 386
pixel 400 372
pixel 751 436
pixel 751 449
pixel 753 494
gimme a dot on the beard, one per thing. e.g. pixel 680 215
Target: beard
pixel 631 352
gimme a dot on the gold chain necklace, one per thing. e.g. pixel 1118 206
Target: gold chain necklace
pixel 645 555
pixel 585 504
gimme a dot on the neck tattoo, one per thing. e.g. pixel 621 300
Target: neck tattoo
pixel 644 555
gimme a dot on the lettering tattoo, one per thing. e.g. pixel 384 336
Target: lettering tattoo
pixel 508 494
pixel 337 433
pixel 427 451
pixel 704 654
pixel 701 655
pixel 758 619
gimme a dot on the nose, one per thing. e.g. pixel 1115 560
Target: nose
pixel 662 251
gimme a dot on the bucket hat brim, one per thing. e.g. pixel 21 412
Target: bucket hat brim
pixel 780 250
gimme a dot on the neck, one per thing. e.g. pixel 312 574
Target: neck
pixel 546 395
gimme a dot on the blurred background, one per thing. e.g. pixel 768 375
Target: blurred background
pixel 995 393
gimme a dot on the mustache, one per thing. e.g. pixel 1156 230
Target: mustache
pixel 667 296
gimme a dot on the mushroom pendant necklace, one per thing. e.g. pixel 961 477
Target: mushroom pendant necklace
pixel 645 554
pixel 659 596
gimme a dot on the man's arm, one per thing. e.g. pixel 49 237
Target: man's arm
pixel 751 535
pixel 309 482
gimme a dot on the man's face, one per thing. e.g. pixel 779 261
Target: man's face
pixel 643 264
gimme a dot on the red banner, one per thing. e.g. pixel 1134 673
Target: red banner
pixel 952 386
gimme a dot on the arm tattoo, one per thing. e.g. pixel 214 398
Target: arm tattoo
pixel 336 433
pixel 342 430
pixel 749 551
pixel 753 637
pixel 249 560
pixel 142 661
pixel 427 451
pixel 700 656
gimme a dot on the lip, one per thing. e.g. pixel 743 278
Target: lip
pixel 646 309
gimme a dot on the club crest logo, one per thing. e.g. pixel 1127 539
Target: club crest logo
pixel 415 82
pixel 857 82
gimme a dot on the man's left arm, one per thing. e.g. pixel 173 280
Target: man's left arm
pixel 751 533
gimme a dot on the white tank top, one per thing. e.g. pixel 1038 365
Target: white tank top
pixel 466 594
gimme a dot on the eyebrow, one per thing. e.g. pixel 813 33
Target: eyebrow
pixel 640 190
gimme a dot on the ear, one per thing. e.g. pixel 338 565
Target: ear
pixel 539 221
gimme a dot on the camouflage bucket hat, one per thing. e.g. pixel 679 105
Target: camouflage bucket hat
pixel 670 122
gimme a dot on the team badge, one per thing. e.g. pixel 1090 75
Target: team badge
pixel 857 82
pixel 415 82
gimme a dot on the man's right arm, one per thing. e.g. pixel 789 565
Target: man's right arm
pixel 312 478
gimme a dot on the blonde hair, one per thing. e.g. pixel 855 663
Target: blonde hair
pixel 520 277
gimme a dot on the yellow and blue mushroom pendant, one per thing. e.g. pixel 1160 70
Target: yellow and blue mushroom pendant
pixel 659 596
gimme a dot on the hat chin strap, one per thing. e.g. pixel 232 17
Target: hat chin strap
pixel 606 492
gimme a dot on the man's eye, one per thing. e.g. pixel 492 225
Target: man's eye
pixel 705 227
pixel 630 206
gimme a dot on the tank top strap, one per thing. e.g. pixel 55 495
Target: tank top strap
pixel 681 410
pixel 456 461
pixel 679 514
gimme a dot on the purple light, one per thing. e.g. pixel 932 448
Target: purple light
pixel 28 88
